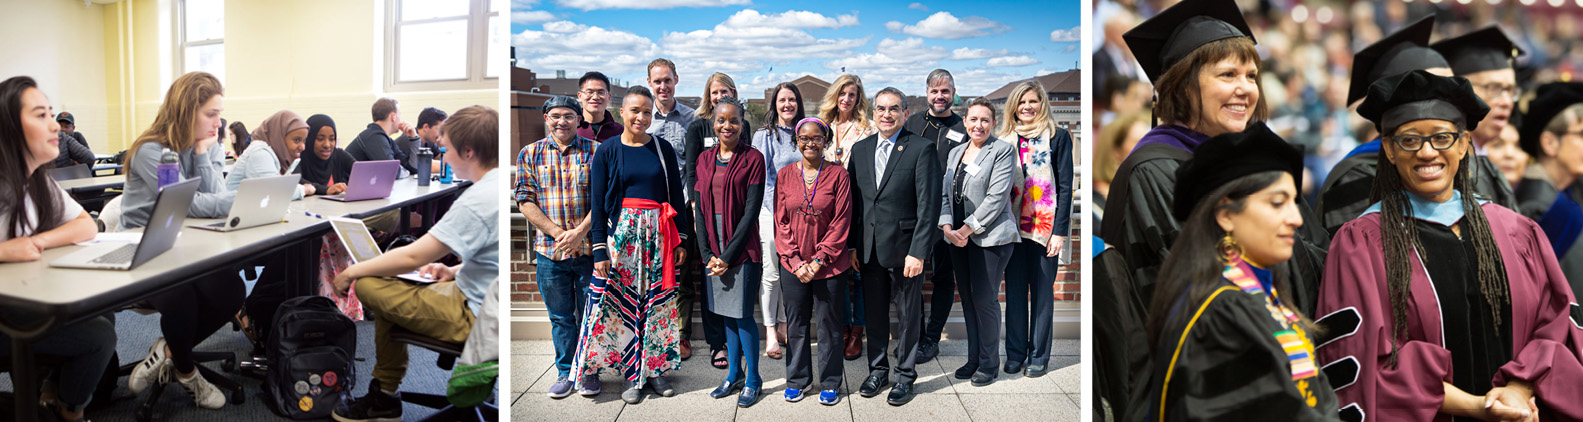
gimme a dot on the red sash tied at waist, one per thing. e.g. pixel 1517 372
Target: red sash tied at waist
pixel 671 238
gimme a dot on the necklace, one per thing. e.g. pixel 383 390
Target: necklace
pixel 808 192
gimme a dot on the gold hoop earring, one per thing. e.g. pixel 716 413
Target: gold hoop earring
pixel 1229 249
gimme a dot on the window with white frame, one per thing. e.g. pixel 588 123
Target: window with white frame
pixel 443 44
pixel 201 36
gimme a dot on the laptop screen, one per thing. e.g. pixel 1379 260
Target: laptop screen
pixel 355 236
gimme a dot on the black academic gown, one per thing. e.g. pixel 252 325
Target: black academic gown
pixel 1561 217
pixel 1225 364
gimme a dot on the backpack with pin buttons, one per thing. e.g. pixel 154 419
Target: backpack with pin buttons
pixel 311 350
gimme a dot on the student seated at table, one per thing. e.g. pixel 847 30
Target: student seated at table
pixel 188 123
pixel 277 142
pixel 325 166
pixel 36 214
pixel 444 310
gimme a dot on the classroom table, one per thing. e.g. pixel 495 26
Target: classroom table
pixel 63 296
pixel 90 184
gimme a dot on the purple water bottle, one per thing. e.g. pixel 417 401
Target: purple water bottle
pixel 169 168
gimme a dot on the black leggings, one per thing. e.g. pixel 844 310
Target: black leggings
pixel 192 312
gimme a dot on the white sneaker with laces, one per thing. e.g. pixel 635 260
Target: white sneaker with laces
pixel 205 394
pixel 152 369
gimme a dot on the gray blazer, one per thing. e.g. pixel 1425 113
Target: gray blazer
pixel 995 224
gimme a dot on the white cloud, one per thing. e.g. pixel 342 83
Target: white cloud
pixel 981 82
pixel 944 25
pixel 749 18
pixel 966 53
pixel 523 4
pixel 1013 61
pixel 577 48
pixel 525 17
pixel 1070 48
pixel 1067 35
pixel 586 5
pixel 918 6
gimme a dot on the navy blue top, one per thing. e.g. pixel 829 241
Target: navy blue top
pixel 641 175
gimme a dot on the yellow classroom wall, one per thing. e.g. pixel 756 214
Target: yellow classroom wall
pixel 59 43
pixel 111 63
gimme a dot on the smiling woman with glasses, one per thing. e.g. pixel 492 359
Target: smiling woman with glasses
pixel 813 213
pixel 1437 302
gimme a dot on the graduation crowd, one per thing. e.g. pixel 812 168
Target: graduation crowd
pixel 1264 260
pixel 823 217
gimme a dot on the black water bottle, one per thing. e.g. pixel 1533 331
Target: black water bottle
pixel 425 160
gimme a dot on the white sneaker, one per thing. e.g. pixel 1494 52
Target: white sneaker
pixel 153 368
pixel 205 394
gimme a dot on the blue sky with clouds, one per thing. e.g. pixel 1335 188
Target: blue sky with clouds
pixel 985 44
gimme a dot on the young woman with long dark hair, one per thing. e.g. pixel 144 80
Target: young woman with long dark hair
pixel 1228 342
pixel 1439 304
pixel 37 215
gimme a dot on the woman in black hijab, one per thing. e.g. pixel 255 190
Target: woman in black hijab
pixel 325 166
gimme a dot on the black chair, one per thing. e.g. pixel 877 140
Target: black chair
pixel 448 353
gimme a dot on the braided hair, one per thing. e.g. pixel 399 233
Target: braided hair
pixel 1401 235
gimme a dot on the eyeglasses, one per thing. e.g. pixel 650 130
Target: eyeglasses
pixel 595 93
pixel 1495 90
pixel 564 117
pixel 1439 141
pixel 810 139
pixel 883 110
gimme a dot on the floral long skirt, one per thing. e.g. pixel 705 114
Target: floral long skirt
pixel 632 328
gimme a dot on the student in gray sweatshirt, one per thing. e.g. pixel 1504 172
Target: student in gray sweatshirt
pixel 188 123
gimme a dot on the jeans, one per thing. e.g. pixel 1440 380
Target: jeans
pixel 564 285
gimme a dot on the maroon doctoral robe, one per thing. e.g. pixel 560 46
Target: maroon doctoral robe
pixel 1355 306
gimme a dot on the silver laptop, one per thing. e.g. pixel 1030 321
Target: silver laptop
pixel 170 211
pixel 360 245
pixel 369 180
pixel 259 201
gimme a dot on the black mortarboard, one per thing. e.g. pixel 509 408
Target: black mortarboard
pixel 1230 156
pixel 1161 41
pixel 1548 102
pixel 1418 95
pixel 1401 51
pixel 1478 51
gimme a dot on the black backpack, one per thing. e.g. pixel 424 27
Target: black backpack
pixel 311 349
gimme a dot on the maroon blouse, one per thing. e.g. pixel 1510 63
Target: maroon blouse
pixel 807 231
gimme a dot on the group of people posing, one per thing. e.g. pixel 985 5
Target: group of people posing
pixel 1423 289
pixel 824 217
pixel 41 215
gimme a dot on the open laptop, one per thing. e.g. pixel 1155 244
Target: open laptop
pixel 170 211
pixel 360 245
pixel 369 180
pixel 259 201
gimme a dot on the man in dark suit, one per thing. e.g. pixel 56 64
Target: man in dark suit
pixel 896 201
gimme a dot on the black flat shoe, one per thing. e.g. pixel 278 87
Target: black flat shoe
pixel 982 379
pixel 873 384
pixel 1013 367
pixel 966 371
pixel 1035 371
pixel 900 395
pixel 726 388
pixel 749 396
pixel 927 350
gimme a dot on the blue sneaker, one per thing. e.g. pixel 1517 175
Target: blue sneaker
pixel 829 397
pixel 793 395
pixel 561 388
